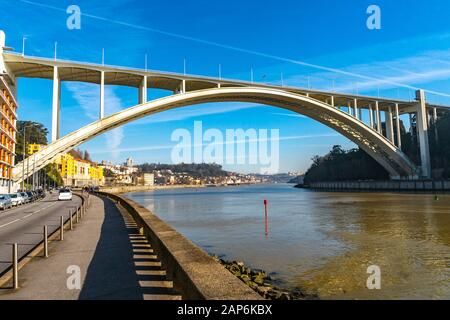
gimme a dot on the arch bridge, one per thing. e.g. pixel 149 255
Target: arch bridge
pixel 342 112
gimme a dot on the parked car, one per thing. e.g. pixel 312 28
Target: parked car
pixel 31 196
pixel 65 194
pixel 16 199
pixel 26 198
pixel 5 201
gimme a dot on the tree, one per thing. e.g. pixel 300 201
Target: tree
pixel 76 153
pixel 36 133
pixel 87 156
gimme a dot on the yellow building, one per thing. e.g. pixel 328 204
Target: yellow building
pixel 8 115
pixel 33 148
pixel 79 173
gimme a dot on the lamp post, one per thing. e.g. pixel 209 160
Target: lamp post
pixel 24 154
pixel 34 171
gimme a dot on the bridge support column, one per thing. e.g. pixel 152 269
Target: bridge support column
pixel 56 105
pixel 102 95
pixel 389 125
pixel 435 117
pixel 356 109
pixel 143 91
pixel 370 116
pixel 377 117
pixel 422 128
pixel 397 125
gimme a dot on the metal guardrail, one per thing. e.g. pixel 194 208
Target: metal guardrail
pixel 66 222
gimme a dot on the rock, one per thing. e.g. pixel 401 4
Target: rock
pixel 245 278
pixel 253 285
pixel 259 280
pixel 263 289
pixel 284 296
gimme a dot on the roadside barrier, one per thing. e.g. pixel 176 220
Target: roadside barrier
pixel 18 263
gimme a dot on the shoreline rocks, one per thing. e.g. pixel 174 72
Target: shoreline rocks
pixel 262 283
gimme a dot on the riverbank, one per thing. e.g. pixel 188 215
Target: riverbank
pixel 125 189
pixel 262 283
pixel 414 186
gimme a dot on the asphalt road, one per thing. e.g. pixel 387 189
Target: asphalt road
pixel 24 225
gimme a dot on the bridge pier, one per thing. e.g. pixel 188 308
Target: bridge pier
pixel 377 117
pixel 56 104
pixel 422 131
pixel 397 124
pixel 143 91
pixel 102 95
pixel 356 109
pixel 389 125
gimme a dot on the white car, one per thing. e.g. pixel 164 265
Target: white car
pixel 16 199
pixel 65 194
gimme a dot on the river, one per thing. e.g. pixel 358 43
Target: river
pixel 321 242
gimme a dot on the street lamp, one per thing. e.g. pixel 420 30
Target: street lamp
pixel 23 154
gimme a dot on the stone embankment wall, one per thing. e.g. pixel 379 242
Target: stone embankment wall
pixel 125 189
pixel 195 274
pixel 418 185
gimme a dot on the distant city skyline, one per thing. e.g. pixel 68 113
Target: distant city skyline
pixel 270 45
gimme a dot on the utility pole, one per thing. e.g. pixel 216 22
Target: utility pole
pixel 23 155
pixel 23 46
pixel 34 171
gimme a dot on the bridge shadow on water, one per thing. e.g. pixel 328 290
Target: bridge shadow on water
pixel 124 265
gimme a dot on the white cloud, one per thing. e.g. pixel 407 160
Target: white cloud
pixel 408 72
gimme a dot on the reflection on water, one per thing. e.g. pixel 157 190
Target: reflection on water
pixel 320 241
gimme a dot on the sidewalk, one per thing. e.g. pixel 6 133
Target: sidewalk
pixel 115 261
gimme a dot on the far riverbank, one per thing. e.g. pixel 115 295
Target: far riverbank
pixel 126 189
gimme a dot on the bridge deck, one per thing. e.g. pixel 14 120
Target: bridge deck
pixel 37 67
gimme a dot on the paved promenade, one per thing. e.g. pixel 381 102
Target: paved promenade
pixel 114 260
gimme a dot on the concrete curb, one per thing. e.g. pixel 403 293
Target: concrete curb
pixel 196 275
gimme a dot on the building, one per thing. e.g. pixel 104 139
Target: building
pixel 8 131
pixel 129 162
pixel 34 148
pixel 79 173
pixel 144 179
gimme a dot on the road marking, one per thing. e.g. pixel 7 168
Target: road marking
pixel 7 224
pixel 29 215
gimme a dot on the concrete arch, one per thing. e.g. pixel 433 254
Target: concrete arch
pixel 375 144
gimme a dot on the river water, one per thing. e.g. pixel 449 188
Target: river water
pixel 321 242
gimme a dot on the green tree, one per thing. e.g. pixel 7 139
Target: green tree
pixel 35 133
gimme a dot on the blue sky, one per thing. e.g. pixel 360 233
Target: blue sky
pixel 271 37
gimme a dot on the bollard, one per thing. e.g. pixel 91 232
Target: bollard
pixel 15 266
pixel 71 221
pixel 266 217
pixel 45 242
pixel 77 217
pixel 61 229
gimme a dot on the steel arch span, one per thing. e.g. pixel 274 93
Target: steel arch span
pixel 374 143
